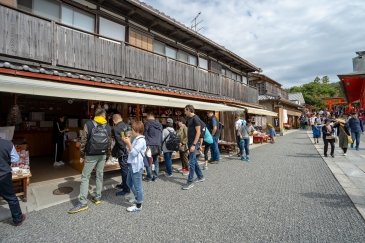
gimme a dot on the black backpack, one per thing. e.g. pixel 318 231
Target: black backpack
pixel 172 141
pixel 98 139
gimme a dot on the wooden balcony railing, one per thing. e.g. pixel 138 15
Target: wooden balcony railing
pixel 26 36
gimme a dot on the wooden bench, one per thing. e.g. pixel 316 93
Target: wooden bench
pixel 227 147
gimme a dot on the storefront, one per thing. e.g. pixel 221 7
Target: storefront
pixel 31 105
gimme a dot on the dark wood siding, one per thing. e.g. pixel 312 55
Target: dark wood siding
pixel 29 37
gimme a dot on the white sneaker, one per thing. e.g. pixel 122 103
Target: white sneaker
pixel 61 163
pixel 344 154
pixel 134 208
pixel 56 164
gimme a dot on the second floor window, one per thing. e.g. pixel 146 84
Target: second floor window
pixel 76 18
pixel 111 29
pixel 203 63
pixel 171 52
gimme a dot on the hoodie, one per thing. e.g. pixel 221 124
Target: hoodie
pixel 153 133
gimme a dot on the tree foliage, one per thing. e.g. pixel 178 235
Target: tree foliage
pixel 315 91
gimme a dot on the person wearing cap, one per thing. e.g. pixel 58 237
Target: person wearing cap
pixel 328 137
pixel 356 129
pixel 342 133
pixel 167 154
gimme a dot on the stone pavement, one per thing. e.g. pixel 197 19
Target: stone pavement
pixel 287 193
pixel 349 170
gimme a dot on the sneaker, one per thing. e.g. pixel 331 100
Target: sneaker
pixel 121 193
pixel 154 178
pixel 21 220
pixel 344 154
pixel 243 158
pixel 247 158
pixel 57 164
pixel 119 186
pixel 213 161
pixel 78 208
pixel 146 179
pixel 167 175
pixel 96 200
pixel 200 180
pixel 185 172
pixel 332 156
pixel 134 208
pixel 205 167
pixel 188 186
pixel 61 163
pixel 357 149
pixel 325 155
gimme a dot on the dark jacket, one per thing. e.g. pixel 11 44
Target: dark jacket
pixel 119 148
pixel 355 125
pixel 153 133
pixel 5 159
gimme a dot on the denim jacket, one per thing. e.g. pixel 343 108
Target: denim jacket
pixel 135 157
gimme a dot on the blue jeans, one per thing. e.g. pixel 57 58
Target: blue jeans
pixel 156 162
pixel 194 166
pixel 215 150
pixel 355 136
pixel 134 182
pixel 244 144
pixel 168 162
pixel 7 192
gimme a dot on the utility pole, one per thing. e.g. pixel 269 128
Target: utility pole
pixel 195 22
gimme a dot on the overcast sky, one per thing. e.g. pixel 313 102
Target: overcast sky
pixel 293 41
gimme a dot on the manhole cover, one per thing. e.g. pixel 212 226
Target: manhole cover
pixel 63 190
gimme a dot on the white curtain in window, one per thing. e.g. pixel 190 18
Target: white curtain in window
pixel 111 29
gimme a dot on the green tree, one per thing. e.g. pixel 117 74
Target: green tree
pixel 314 92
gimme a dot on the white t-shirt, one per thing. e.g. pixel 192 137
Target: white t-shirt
pixel 238 125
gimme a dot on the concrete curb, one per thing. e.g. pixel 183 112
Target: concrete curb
pixel 355 194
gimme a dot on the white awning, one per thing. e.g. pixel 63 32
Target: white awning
pixel 48 88
pixel 261 112
pixel 256 111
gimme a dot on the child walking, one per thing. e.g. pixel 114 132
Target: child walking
pixel 316 129
pixel 136 154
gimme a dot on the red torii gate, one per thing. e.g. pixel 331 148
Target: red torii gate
pixel 354 87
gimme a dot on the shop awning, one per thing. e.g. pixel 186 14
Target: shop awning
pixel 256 111
pixel 48 88
pixel 261 112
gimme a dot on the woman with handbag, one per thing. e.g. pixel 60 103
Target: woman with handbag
pixel 343 133
pixel 328 137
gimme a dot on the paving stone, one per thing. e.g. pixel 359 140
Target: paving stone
pixel 286 193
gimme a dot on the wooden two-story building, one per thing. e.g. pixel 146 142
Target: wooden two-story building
pixel 274 98
pixel 63 57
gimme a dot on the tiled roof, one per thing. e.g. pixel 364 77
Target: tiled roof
pixel 271 97
pixel 297 97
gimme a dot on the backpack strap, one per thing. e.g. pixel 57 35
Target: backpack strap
pixel 166 136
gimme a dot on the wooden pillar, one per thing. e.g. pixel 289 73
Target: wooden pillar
pixel 124 112
pixel 138 112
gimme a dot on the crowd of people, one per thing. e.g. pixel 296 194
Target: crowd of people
pixel 346 129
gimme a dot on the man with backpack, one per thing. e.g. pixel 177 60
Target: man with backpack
pixel 212 126
pixel 119 151
pixel 194 132
pixel 94 149
pixel 170 143
pixel 153 136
